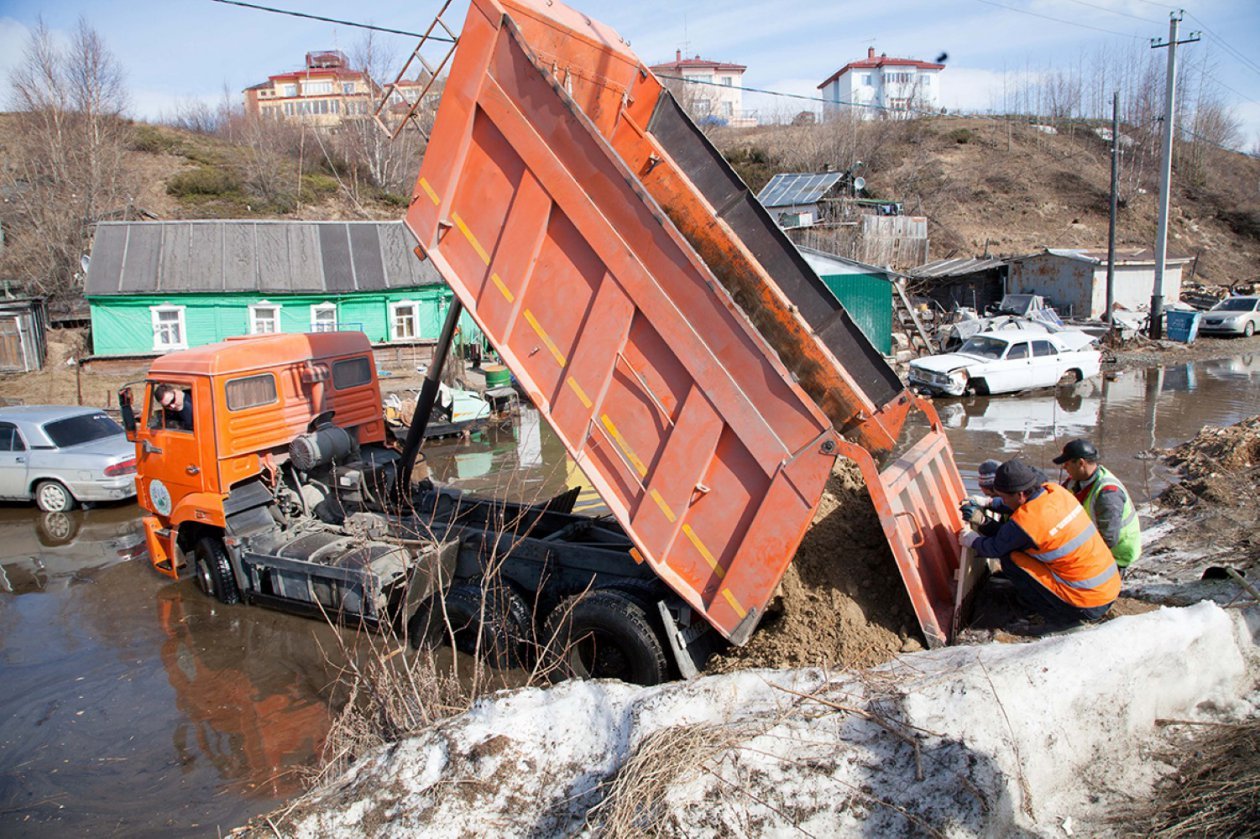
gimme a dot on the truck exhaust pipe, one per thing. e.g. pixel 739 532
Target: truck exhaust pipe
pixel 428 395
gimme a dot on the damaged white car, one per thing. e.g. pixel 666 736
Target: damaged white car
pixel 1007 362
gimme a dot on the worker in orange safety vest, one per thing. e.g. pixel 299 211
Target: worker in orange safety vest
pixel 1050 550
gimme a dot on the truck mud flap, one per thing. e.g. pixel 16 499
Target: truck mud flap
pixel 916 497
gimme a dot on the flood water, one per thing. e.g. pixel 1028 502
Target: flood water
pixel 1127 417
pixel 131 704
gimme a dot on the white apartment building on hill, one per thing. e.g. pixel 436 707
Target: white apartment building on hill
pixel 883 87
pixel 718 97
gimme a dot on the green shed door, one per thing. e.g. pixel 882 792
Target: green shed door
pixel 868 300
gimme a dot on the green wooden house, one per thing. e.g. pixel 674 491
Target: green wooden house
pixel 153 287
pixel 865 291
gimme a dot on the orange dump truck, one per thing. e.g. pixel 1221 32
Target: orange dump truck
pixel 697 370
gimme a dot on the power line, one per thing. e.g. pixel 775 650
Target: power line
pixel 1237 54
pixel 337 21
pixel 870 105
pixel 1060 20
pixel 1112 11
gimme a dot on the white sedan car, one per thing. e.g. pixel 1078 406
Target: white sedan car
pixel 1006 362
pixel 1232 316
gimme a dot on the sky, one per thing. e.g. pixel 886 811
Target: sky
pixel 177 51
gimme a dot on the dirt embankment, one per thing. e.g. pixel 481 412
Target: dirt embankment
pixel 841 603
pixel 1216 507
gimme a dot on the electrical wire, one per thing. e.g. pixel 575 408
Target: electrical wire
pixel 1061 20
pixel 1237 54
pixel 1112 11
pixel 337 21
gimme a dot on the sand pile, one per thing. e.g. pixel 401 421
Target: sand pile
pixel 841 602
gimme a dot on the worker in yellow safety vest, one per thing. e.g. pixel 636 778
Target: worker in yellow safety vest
pixel 1106 500
pixel 1050 550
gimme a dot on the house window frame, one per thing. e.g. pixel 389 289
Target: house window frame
pixel 323 308
pixel 181 324
pixel 394 309
pixel 253 318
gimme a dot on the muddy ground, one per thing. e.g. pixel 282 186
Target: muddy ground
pixel 1214 513
pixel 1143 352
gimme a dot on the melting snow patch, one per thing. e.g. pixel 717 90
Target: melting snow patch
pixel 1040 738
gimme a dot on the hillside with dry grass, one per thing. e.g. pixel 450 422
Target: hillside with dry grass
pixel 1009 187
pixel 985 185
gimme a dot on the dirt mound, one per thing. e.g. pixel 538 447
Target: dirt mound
pixel 1216 508
pixel 841 602
pixel 1219 464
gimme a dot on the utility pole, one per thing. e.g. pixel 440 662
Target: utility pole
pixel 1165 172
pixel 1111 225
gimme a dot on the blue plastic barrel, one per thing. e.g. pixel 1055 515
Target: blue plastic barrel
pixel 1182 326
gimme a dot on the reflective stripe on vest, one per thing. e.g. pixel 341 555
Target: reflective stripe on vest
pixel 1067 547
pixel 1128 546
pixel 1069 557
pixel 1092 582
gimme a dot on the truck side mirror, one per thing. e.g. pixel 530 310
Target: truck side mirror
pixel 128 414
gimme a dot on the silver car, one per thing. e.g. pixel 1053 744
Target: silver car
pixel 1232 316
pixel 60 456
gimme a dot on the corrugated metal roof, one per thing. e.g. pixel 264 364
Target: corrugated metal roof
pixel 828 264
pixel 273 256
pixel 790 189
pixel 1124 256
pixel 956 267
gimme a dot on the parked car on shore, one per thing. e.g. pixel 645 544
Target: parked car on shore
pixel 59 456
pixel 1232 316
pixel 1006 362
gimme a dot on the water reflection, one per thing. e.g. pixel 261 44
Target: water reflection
pixel 524 462
pixel 1129 416
pixel 243 708
pixel 54 550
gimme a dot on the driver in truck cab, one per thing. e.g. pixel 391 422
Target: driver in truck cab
pixel 177 410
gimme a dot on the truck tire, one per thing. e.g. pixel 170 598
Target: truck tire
pixel 492 622
pixel 214 572
pixel 605 634
pixel 53 497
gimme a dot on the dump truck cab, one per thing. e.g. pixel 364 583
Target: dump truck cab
pixel 263 468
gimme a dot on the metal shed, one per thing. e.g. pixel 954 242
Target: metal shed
pixel 1074 280
pixel 865 291
pixel 972 282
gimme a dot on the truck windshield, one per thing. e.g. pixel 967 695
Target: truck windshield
pixel 983 346
pixel 74 431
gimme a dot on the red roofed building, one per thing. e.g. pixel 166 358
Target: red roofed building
pixel 324 93
pixel 713 91
pixel 882 86
pixel 329 91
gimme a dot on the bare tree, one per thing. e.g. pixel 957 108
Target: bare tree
pixel 66 170
pixel 372 160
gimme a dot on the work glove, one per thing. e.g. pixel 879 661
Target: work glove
pixel 971 514
pixel 967 537
pixel 984 502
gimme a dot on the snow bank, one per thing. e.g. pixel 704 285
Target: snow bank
pixel 977 741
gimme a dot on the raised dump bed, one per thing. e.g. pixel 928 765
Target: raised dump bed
pixel 695 367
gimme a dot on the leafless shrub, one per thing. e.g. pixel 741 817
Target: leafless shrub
pixel 1216 789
